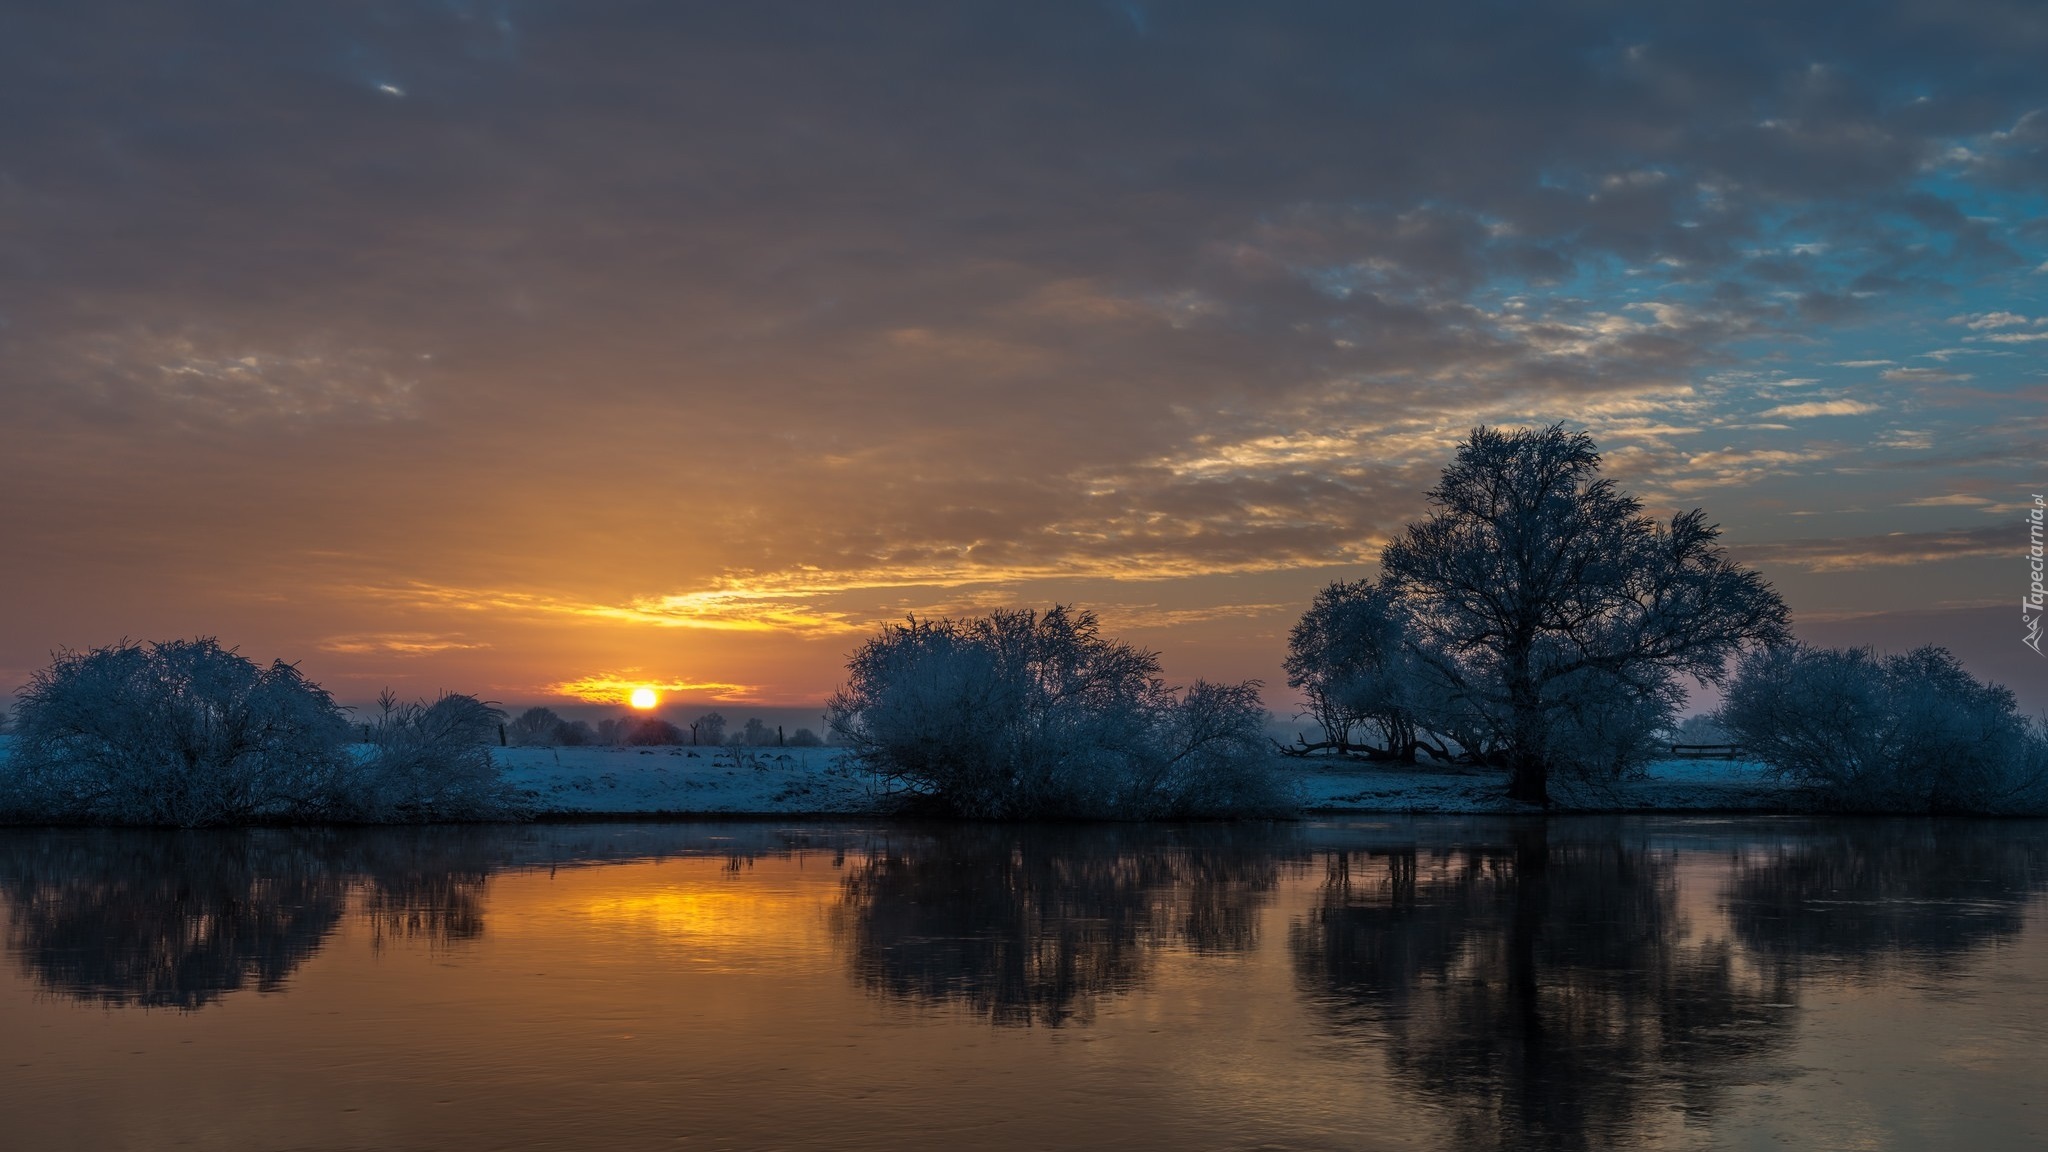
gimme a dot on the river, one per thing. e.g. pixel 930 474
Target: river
pixel 1427 983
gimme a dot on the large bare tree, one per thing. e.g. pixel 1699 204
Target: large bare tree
pixel 1534 580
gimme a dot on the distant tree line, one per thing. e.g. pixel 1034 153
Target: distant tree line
pixel 542 728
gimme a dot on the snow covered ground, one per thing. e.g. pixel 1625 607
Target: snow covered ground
pixel 1669 786
pixel 798 781
pixel 577 782
pixel 738 781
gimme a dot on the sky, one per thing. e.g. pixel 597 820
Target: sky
pixel 539 349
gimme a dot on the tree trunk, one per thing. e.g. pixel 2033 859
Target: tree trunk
pixel 1528 754
pixel 1402 738
pixel 1531 781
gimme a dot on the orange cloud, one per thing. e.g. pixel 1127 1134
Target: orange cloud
pixel 397 644
pixel 616 687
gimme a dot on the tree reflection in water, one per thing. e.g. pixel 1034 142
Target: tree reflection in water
pixel 1859 896
pixel 1037 925
pixel 167 919
pixel 426 884
pixel 1539 986
pixel 1538 981
pixel 177 919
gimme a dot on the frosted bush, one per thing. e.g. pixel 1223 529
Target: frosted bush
pixel 1911 733
pixel 182 733
pixel 1018 714
pixel 189 733
pixel 433 762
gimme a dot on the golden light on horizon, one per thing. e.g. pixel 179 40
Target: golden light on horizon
pixel 644 698
pixel 613 687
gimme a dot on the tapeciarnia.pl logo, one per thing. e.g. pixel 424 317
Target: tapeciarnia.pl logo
pixel 2037 597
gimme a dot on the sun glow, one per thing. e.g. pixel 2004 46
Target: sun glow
pixel 644 698
pixel 613 687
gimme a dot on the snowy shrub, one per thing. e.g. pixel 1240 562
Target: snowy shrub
pixel 1208 755
pixel 575 734
pixel 1018 714
pixel 1911 733
pixel 804 738
pixel 181 733
pixel 433 762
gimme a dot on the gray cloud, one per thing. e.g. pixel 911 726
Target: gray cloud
pixel 482 290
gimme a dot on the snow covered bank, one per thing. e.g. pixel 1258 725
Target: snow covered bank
pixel 586 782
pixel 1668 786
pixel 800 781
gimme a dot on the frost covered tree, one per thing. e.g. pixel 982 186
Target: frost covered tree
pixel 1018 714
pixel 1907 733
pixel 708 729
pixel 1534 582
pixel 1700 728
pixel 1350 657
pixel 180 733
pixel 535 728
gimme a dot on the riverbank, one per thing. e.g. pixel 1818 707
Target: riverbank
pixel 607 782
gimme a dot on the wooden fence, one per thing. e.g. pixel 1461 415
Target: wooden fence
pixel 1707 751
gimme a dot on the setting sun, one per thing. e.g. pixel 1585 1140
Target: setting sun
pixel 644 698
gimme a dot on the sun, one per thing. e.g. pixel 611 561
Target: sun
pixel 644 698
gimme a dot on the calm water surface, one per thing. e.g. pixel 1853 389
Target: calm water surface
pixel 1600 983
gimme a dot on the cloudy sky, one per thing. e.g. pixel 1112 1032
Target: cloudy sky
pixel 523 348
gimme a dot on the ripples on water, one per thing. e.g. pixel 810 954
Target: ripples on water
pixel 1460 984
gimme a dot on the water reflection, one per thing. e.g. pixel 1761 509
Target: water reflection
pixel 1861 895
pixel 167 919
pixel 177 919
pixel 1540 987
pixel 420 884
pixel 1552 981
pixel 1037 926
